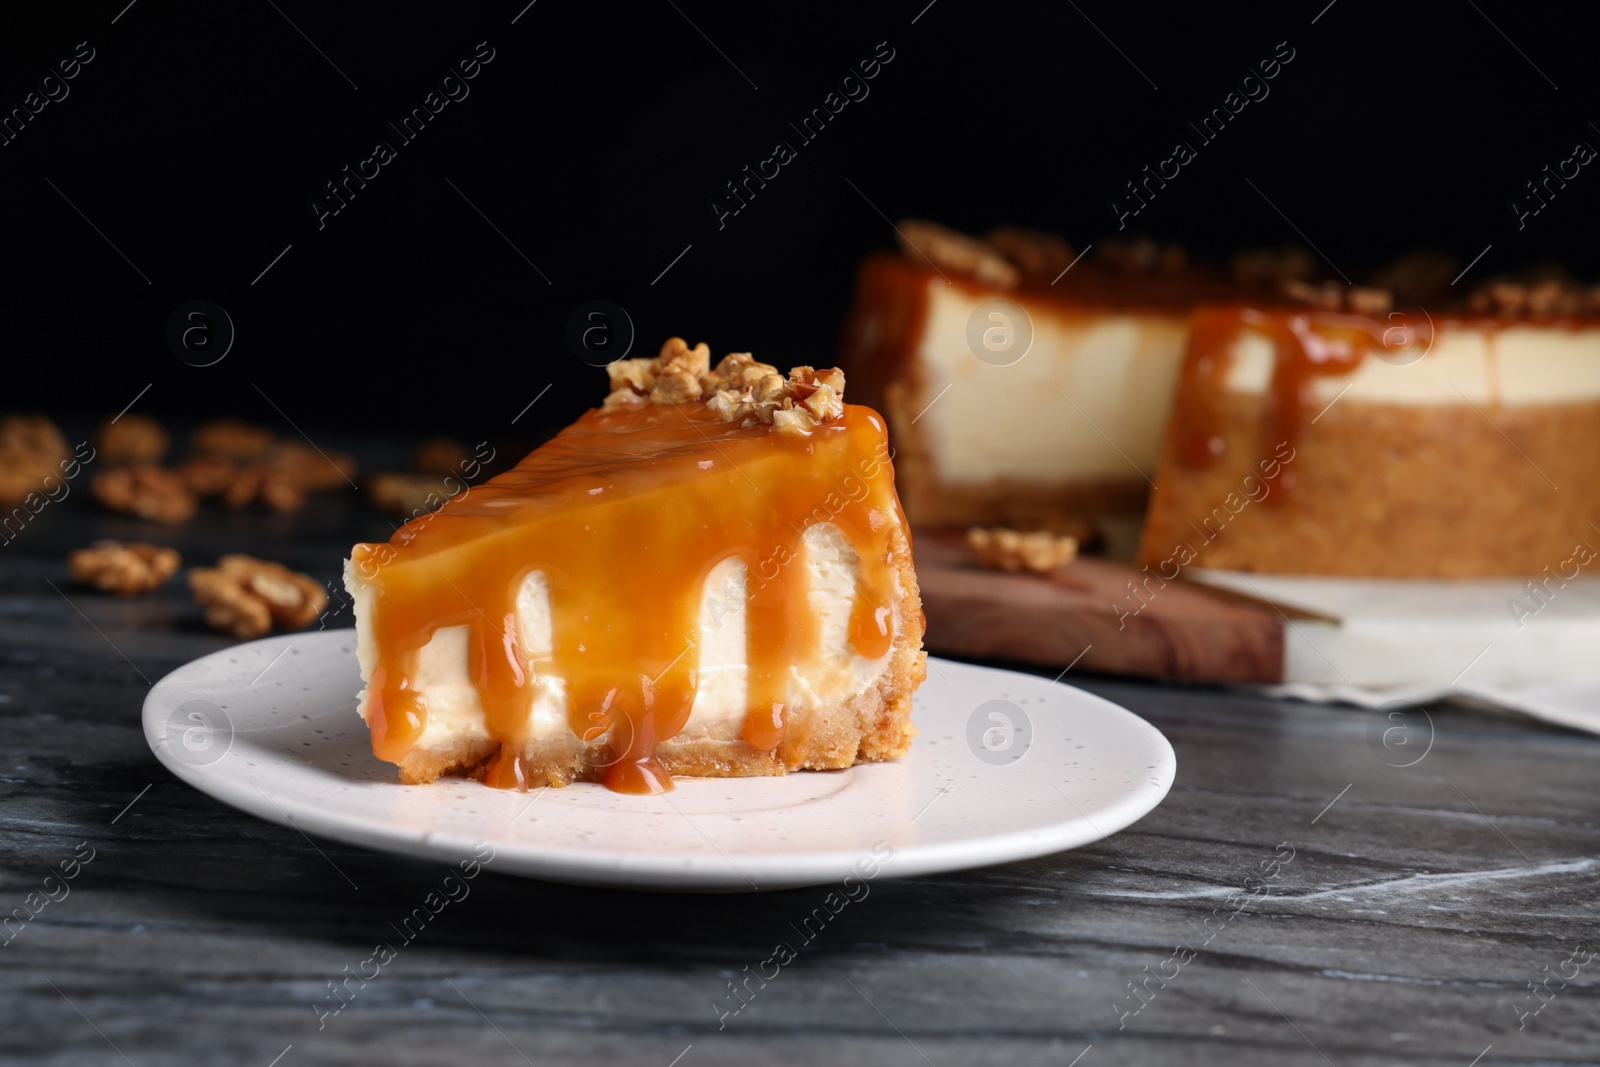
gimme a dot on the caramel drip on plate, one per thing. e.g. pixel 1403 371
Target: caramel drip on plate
pixel 625 513
pixel 1307 345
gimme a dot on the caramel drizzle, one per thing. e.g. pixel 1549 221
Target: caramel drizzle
pixel 626 513
pixel 1307 345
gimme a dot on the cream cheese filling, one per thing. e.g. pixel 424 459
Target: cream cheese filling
pixel 1091 395
pixel 1511 365
pixel 455 712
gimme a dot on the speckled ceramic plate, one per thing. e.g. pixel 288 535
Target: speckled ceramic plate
pixel 1007 766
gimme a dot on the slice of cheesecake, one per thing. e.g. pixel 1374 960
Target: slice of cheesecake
pixel 1358 441
pixel 1021 386
pixel 708 576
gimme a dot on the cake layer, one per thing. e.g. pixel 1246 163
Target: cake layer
pixel 1302 444
pixel 664 585
pixel 1073 426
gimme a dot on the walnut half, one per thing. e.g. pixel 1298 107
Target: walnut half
pixel 31 450
pixel 1039 551
pixel 145 490
pixel 131 439
pixel 245 596
pixel 124 569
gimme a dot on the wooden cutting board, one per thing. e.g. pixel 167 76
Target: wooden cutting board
pixel 1085 614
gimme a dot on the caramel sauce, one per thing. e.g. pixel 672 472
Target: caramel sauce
pixel 1307 344
pixel 625 513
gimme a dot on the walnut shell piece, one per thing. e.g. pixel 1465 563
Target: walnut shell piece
pixel 124 569
pixel 245 596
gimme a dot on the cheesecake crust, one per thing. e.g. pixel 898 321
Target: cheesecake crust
pixel 1384 491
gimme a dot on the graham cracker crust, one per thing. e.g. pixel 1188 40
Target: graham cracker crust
pixel 1387 491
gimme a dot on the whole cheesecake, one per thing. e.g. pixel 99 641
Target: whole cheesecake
pixel 1364 442
pixel 710 575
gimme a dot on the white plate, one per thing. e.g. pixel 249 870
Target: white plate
pixel 1008 766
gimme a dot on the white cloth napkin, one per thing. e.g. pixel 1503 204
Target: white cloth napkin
pixel 1573 706
pixel 1507 644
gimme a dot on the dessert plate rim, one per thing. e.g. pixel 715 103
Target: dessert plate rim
pixel 301 790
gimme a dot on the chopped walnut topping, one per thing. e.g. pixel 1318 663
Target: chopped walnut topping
pixel 1369 300
pixel 131 439
pixel 824 403
pixel 636 376
pixel 1539 298
pixel 1144 255
pixel 1331 296
pixel 676 355
pixel 230 437
pixel 737 389
pixel 1273 266
pixel 1040 256
pixel 793 420
pixel 1417 276
pixel 1505 298
pixel 245 596
pixel 1541 293
pixel 147 491
pixel 729 373
pixel 31 450
pixel 724 403
pixel 676 386
pixel 1546 297
pixel 947 249
pixel 1326 295
pixel 1040 551
pixel 124 569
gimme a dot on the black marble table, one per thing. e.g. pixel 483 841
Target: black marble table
pixel 1299 898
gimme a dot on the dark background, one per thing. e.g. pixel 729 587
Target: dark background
pixel 596 139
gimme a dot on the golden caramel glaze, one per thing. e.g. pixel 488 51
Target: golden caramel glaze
pixel 625 513
pixel 1307 343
